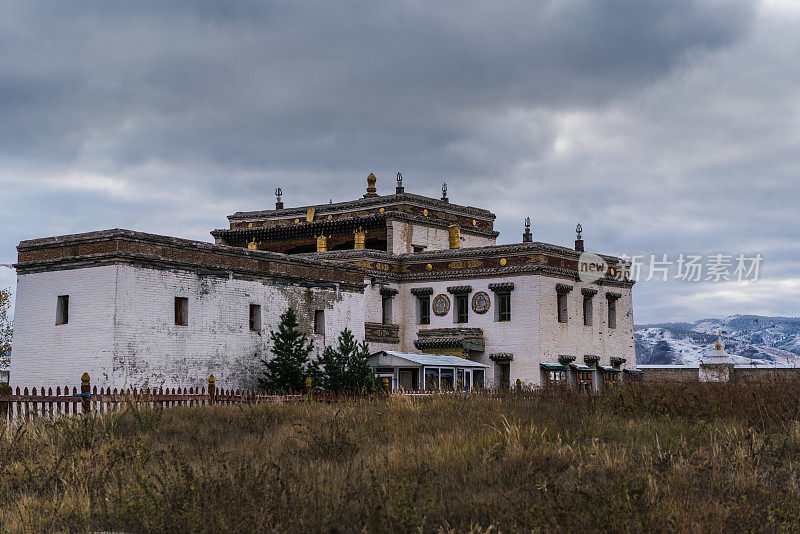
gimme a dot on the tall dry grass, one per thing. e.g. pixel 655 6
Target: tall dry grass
pixel 656 458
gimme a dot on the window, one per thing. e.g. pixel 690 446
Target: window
pixel 418 248
pixel 255 318
pixel 181 311
pixel 424 310
pixel 319 322
pixel 612 313
pixel 587 311
pixel 504 306
pixel 447 379
pixel 386 309
pixel 62 309
pixel 562 307
pixel 478 378
pixel 431 378
pixel 556 378
pixel 584 380
pixel 462 309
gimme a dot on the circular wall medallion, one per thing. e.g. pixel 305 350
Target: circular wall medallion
pixel 441 305
pixel 503 262
pixel 297 220
pixel 429 267
pixel 480 302
pixel 425 213
pixel 474 222
pixel 382 210
pixel 330 217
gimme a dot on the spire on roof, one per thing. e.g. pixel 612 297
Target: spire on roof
pixel 444 193
pixel 278 201
pixel 400 188
pixel 527 237
pixel 372 191
pixel 579 239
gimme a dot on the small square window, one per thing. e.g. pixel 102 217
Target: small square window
pixel 612 313
pixel 462 309
pixel 424 310
pixel 255 318
pixel 319 322
pixel 562 307
pixel 181 311
pixel 587 311
pixel 62 309
pixel 386 310
pixel 504 306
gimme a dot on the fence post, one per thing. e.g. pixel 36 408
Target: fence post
pixel 308 386
pixel 4 390
pixel 86 399
pixel 212 389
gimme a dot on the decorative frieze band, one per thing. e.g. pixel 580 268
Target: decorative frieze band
pixel 563 288
pixel 588 292
pixel 501 357
pixel 613 296
pixel 421 291
pixel 459 290
pixel 381 333
pixel 591 359
pixel 502 287
pixel 563 359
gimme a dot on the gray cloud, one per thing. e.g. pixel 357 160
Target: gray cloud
pixel 657 124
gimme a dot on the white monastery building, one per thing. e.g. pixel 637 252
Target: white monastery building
pixel 417 277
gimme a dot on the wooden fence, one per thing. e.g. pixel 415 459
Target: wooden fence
pixel 24 404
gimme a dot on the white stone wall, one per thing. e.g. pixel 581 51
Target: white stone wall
pixel 573 338
pixel 533 335
pixel 50 355
pixel 122 328
pixel 403 235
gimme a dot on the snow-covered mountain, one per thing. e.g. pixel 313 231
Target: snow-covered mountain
pixel 749 338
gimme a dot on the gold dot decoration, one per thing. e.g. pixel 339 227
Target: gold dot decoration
pixel 612 272
pixel 503 262
pixel 429 267
pixel 382 210
pixel 249 225
pixel 297 221
pixel 425 213
pixel 474 222
pixel 330 217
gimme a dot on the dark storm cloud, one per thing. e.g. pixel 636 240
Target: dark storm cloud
pixel 166 116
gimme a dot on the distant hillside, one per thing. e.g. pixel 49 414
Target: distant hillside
pixel 751 338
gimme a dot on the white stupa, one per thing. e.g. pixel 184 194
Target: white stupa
pixel 719 367
pixel 718 354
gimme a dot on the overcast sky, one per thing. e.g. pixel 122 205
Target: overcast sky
pixel 664 127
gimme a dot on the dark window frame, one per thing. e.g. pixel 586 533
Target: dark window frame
pixel 588 311
pixel 255 317
pixel 503 306
pixel 62 310
pixel 562 308
pixel 612 313
pixel 181 311
pixel 319 322
pixel 461 308
pixel 424 315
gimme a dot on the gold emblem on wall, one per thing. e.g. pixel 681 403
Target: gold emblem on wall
pixel 503 262
pixel 537 258
pixel 310 215
pixel 465 264
pixel 429 267
pixel 425 212
pixel 297 221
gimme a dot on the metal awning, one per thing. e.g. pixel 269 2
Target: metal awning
pixel 553 366
pixel 388 358
pixel 607 369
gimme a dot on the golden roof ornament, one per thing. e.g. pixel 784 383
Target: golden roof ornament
pixel 372 191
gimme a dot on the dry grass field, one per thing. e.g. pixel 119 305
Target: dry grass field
pixel 658 458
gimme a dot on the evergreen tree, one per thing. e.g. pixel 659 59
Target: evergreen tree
pixel 291 348
pixel 344 368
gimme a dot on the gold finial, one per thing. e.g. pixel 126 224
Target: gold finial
pixel 85 379
pixel 211 380
pixel 252 244
pixel 310 214
pixel 372 191
pixel 322 243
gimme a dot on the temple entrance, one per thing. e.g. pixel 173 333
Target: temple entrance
pixel 503 376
